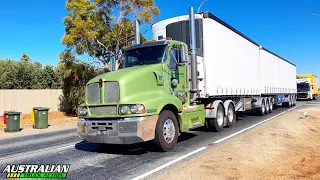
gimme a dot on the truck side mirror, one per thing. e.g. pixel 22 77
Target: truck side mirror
pixel 174 83
pixel 184 54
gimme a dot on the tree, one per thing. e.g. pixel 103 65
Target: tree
pixel 103 28
pixel 75 75
pixel 28 75
pixel 25 57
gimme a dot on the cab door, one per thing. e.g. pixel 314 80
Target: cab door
pixel 178 72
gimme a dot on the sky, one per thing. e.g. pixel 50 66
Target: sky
pixel 286 27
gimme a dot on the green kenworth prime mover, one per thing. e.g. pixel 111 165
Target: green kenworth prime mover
pixel 141 102
pixel 148 99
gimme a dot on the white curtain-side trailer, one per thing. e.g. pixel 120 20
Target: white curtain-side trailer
pixel 232 68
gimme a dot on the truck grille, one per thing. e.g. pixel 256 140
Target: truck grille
pixel 103 110
pixel 93 93
pixel 302 95
pixel 111 92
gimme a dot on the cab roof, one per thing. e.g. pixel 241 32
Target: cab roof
pixel 151 44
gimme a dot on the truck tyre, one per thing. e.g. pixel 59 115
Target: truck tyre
pixel 216 124
pixel 315 97
pixel 271 105
pixel 291 101
pixel 262 110
pixel 231 115
pixel 294 101
pixel 267 106
pixel 167 131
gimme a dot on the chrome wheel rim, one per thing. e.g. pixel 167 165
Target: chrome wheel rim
pixel 262 107
pixel 230 115
pixel 169 131
pixel 271 106
pixel 220 117
pixel 267 107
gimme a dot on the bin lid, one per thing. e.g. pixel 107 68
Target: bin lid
pixel 41 108
pixel 12 113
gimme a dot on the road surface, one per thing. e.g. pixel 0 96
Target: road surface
pixel 90 161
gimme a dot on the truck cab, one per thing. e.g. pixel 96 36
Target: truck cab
pixel 307 87
pixel 143 101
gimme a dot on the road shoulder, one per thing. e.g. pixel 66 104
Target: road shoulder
pixel 287 147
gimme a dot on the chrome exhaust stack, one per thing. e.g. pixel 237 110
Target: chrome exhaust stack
pixel 194 72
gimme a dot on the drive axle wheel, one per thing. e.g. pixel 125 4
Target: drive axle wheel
pixel 216 124
pixel 231 115
pixel 167 131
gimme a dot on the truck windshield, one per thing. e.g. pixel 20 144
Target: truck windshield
pixel 145 56
pixel 303 87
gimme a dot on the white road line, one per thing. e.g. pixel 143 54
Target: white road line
pixel 168 164
pixel 250 127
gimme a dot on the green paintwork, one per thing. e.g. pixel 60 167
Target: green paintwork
pixel 159 77
pixel 192 119
pixel 150 85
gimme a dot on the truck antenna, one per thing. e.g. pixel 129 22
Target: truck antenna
pixel 201 5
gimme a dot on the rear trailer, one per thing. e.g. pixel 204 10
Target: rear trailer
pixel 232 68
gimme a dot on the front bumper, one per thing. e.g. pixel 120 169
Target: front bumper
pixel 126 131
pixel 304 96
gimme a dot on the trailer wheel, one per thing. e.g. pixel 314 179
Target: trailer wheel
pixel 290 101
pixel 271 105
pixel 216 124
pixel 262 110
pixel 231 115
pixel 267 106
pixel 294 101
pixel 167 131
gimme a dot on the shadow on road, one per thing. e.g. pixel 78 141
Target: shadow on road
pixel 131 149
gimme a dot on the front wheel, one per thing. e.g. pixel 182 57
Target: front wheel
pixel 315 97
pixel 167 131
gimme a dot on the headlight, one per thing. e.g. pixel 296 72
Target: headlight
pixel 137 109
pixel 124 109
pixel 134 109
pixel 83 111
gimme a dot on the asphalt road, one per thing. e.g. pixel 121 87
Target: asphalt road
pixel 90 161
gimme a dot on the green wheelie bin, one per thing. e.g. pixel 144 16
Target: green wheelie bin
pixel 12 121
pixel 40 117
